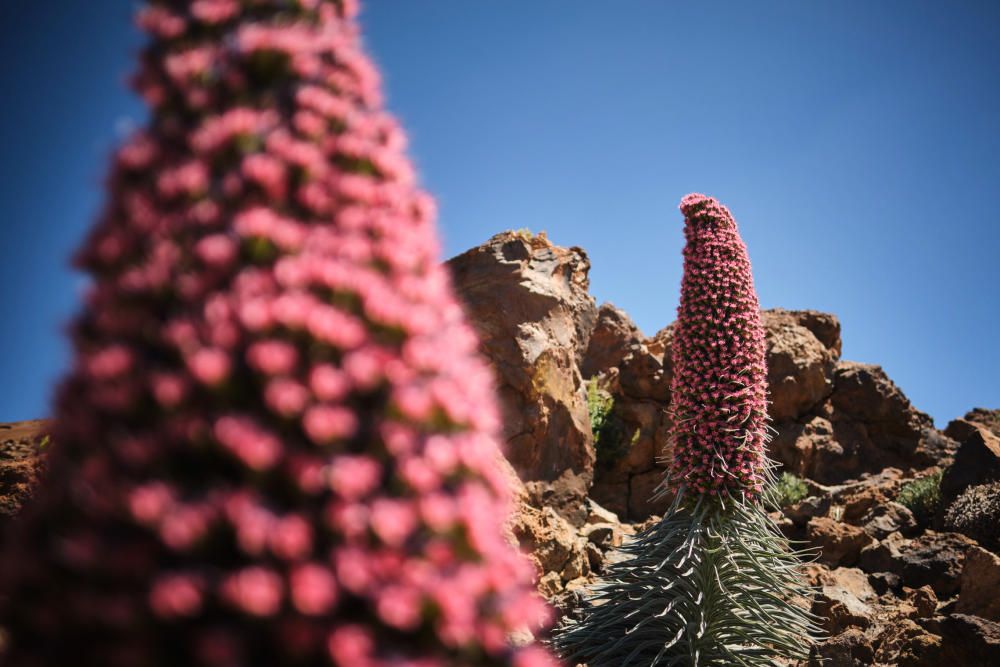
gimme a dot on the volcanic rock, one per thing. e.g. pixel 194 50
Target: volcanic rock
pixel 934 559
pixel 613 335
pixel 799 365
pixel 970 641
pixel 980 584
pixel 851 648
pixel 528 300
pixel 907 644
pixel 839 543
pixel 881 520
pixel 988 419
pixel 976 462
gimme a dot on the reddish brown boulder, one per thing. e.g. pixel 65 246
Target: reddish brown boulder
pixel 970 641
pixel 647 369
pixel 980 584
pixel 799 365
pixel 988 419
pixel 866 425
pixel 528 300
pixel 844 599
pixel 977 462
pixel 839 543
pixel 907 644
pixel 610 340
pixel 933 559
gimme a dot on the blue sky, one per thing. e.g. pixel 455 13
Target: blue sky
pixel 855 142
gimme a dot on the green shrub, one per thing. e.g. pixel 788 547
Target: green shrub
pixel 976 514
pixel 789 490
pixel 922 497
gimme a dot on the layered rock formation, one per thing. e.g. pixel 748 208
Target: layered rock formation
pixel 528 299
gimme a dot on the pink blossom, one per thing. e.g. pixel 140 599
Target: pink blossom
pixel 353 477
pixel 286 397
pixel 255 590
pixel 351 646
pixel 313 589
pixel 438 511
pixel 160 21
pixel 291 538
pixel 110 362
pixel 351 519
pixel 176 595
pixel 353 569
pixel 216 250
pixel 273 357
pixel 719 389
pixel 534 656
pixel 254 446
pixel 150 502
pixel 209 365
pixel 324 423
pixel 214 11
pixel 187 64
pixel 328 383
pixel 169 389
pixel 393 520
pixel 399 607
pixel 190 178
pixel 267 172
pixel 218 130
pixel 183 526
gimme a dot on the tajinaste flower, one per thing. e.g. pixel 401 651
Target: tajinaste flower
pixel 713 582
pixel 278 443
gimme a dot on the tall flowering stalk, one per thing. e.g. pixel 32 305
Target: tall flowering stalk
pixel 713 583
pixel 277 445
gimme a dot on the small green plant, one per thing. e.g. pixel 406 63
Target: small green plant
pixel 525 233
pixel 599 405
pixel 922 497
pixel 44 442
pixel 789 490
pixel 609 430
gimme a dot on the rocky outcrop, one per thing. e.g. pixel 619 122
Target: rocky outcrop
pixel 932 559
pixel 632 450
pixel 613 335
pixel 866 425
pixel 799 364
pixel 22 446
pixel 528 300
pixel 976 462
pixel 835 420
pixel 988 419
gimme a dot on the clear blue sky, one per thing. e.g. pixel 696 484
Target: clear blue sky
pixel 856 142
